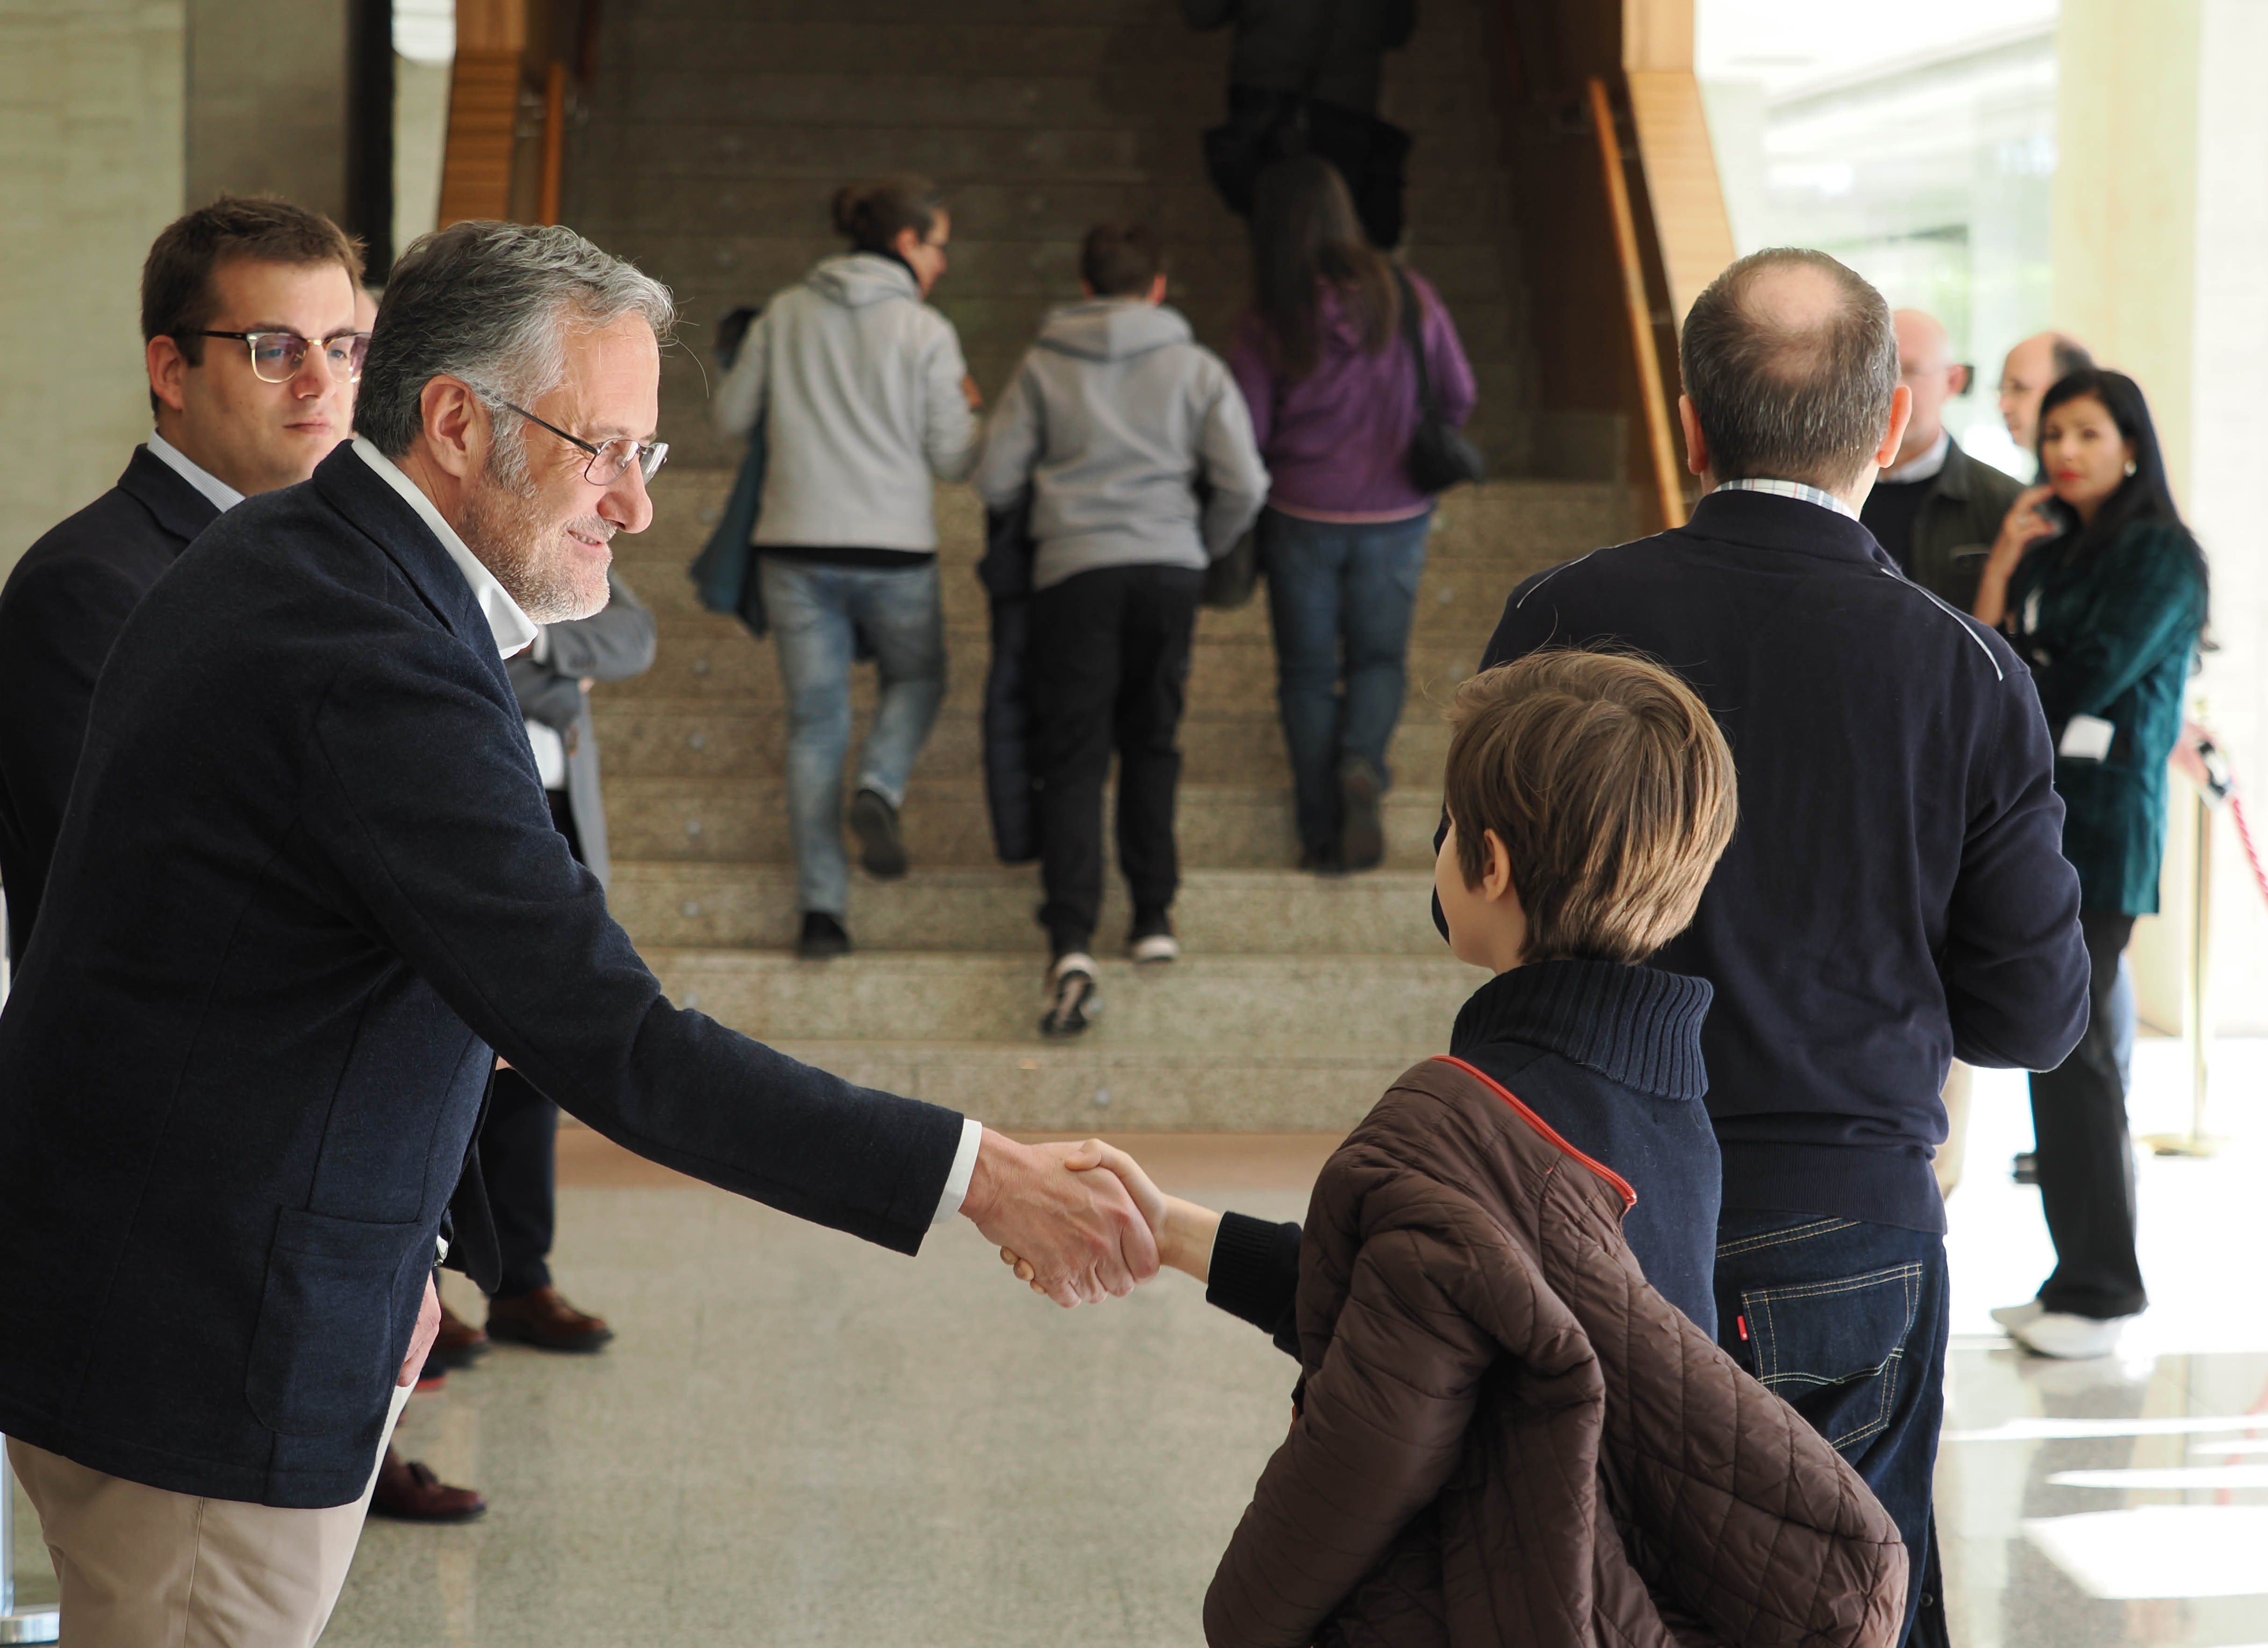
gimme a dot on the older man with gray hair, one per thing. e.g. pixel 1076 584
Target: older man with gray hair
pixel 1895 895
pixel 307 891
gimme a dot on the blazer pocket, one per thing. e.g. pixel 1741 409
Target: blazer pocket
pixel 322 1355
pixel 1834 1351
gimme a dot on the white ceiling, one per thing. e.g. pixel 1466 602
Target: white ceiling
pixel 1790 44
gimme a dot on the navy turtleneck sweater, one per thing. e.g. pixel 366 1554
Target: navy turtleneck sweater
pixel 1610 1057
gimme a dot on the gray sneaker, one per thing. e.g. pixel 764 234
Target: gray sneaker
pixel 881 849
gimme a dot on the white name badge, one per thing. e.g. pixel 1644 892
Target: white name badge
pixel 2086 738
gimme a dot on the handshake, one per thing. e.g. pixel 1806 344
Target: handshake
pixel 1081 1222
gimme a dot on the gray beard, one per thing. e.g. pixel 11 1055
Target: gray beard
pixel 503 528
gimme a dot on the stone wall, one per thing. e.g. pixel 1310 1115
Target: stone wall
pixel 90 169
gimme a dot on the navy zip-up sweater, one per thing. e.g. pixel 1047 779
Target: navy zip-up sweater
pixel 1895 894
pixel 1610 1058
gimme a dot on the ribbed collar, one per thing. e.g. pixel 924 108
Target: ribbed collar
pixel 1640 1026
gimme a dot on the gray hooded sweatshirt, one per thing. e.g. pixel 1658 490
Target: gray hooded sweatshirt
pixel 857 382
pixel 1114 417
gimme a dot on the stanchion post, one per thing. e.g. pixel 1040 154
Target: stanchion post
pixel 2199 997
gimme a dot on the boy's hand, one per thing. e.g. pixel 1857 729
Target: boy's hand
pixel 1184 1230
pixel 1084 1236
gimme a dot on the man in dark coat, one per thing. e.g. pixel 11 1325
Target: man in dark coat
pixel 1896 894
pixel 232 420
pixel 306 892
pixel 1304 77
pixel 1936 510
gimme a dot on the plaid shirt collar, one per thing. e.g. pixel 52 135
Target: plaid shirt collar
pixel 1793 489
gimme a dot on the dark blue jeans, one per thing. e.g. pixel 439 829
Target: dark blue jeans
pixel 1846 1323
pixel 1340 599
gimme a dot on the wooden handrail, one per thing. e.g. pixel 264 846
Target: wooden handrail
pixel 1669 484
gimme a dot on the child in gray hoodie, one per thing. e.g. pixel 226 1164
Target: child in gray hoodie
pixel 1117 419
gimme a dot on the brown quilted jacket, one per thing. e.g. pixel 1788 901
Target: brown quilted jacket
pixel 1506 1436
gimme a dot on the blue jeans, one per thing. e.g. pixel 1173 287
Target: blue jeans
pixel 1340 599
pixel 1846 1323
pixel 817 614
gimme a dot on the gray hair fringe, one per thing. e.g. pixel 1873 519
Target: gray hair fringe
pixel 491 303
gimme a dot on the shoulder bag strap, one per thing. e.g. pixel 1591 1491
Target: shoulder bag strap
pixel 1413 331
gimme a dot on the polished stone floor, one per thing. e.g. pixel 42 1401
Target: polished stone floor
pixel 800 1439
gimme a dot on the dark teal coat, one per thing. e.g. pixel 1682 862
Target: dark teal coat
pixel 2112 636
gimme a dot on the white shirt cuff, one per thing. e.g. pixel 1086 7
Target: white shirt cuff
pixel 964 1169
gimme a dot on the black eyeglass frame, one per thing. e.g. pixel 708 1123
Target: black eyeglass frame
pixel 650 454
pixel 251 348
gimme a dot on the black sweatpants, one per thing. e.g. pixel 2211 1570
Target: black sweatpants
pixel 518 1152
pixel 2085 1154
pixel 1109 660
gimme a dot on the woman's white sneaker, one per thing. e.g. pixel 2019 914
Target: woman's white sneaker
pixel 2072 1338
pixel 2012 1317
pixel 1074 999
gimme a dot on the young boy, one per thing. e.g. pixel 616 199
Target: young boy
pixel 1503 1432
pixel 1115 420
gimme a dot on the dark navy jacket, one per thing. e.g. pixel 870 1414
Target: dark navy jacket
pixel 1895 894
pixel 63 606
pixel 1609 1057
pixel 307 885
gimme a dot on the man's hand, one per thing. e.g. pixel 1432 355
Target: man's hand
pixel 1184 1230
pixel 421 1340
pixel 1081 1233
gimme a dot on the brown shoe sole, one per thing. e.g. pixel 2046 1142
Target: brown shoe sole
pixel 580 1344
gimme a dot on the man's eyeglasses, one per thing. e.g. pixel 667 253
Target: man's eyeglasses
pixel 277 357
pixel 610 460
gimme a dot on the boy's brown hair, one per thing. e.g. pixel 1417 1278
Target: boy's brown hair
pixel 1611 789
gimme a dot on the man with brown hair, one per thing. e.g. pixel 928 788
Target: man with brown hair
pixel 1896 895
pixel 248 330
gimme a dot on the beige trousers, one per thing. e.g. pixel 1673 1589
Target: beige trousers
pixel 142 1568
pixel 1950 1154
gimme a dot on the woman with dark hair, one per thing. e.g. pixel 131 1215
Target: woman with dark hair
pixel 1333 387
pixel 858 389
pixel 2102 591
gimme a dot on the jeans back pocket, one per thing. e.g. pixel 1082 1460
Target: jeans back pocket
pixel 1832 1350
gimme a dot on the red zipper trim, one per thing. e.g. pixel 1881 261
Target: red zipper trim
pixel 1630 1196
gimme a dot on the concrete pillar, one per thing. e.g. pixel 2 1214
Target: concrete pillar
pixel 90 168
pixel 2161 233
pixel 268 101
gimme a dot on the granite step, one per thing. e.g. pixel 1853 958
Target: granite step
pixel 730 743
pixel 973 909
pixel 743 821
pixel 1337 1005
pixel 1034 1086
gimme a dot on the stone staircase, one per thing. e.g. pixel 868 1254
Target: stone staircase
pixel 715 131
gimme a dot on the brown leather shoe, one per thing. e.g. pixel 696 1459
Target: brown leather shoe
pixel 544 1320
pixel 459 1344
pixel 408 1491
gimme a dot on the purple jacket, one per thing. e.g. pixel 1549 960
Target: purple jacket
pixel 1337 441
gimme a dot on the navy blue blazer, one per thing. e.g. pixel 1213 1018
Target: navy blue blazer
pixel 307 884
pixel 1896 893
pixel 63 606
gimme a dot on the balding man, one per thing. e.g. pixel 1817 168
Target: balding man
pixel 2029 372
pixel 1897 892
pixel 1936 510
